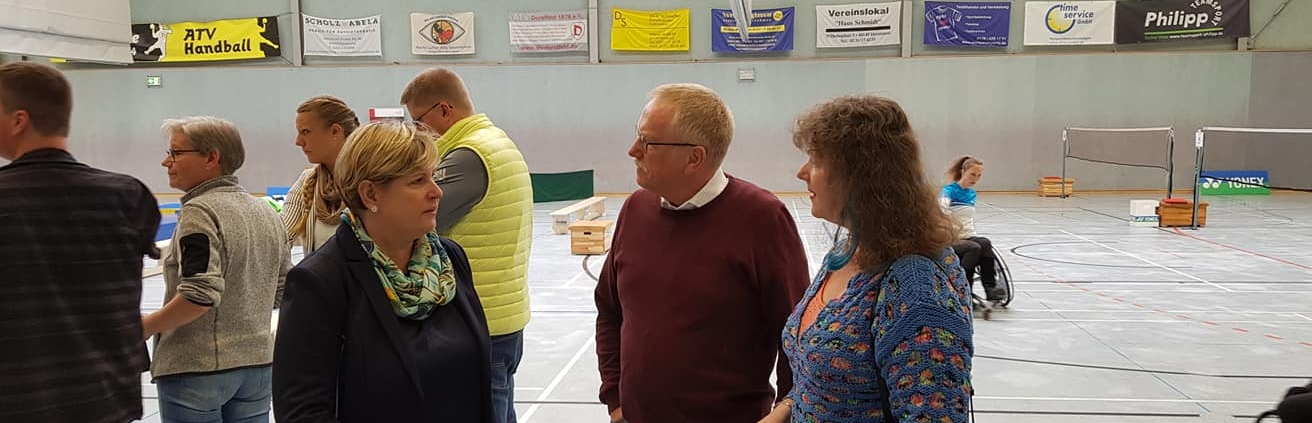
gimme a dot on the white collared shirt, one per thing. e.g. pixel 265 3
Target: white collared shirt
pixel 713 188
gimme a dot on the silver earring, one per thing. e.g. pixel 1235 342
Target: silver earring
pixel 374 209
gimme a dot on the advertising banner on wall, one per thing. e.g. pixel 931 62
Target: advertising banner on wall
pixel 230 39
pixel 1158 20
pixel 342 37
pixel 435 34
pixel 858 25
pixel 967 24
pixel 770 30
pixel 644 30
pixel 1070 23
pixel 1234 182
pixel 549 32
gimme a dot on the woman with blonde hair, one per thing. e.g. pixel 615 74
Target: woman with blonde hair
pixel 310 212
pixel 383 324
pixel 884 333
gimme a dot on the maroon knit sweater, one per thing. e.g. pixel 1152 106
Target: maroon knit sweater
pixel 691 305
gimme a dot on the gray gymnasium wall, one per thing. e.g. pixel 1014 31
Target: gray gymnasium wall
pixel 571 115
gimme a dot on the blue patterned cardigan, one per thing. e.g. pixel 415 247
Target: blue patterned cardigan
pixel 921 341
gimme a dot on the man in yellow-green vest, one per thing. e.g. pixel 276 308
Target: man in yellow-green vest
pixel 487 208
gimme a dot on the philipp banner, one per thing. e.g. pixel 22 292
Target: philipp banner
pixel 1157 20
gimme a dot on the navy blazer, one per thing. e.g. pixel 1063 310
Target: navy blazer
pixel 339 355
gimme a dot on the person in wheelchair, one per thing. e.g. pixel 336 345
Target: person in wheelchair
pixel 976 252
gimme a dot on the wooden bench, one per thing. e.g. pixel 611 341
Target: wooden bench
pixel 588 209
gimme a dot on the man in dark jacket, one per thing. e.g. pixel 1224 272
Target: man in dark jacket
pixel 71 245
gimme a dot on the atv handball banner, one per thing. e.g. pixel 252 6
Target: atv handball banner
pixel 231 39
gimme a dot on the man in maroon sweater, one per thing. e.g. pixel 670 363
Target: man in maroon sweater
pixel 703 271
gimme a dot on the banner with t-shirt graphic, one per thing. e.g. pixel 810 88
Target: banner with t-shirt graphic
pixel 1070 23
pixel 967 24
pixel 1159 20
pixel 858 25
pixel 770 30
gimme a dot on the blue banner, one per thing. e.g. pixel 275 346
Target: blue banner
pixel 770 30
pixel 967 24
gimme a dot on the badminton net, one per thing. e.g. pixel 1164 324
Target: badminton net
pixel 1283 153
pixel 1135 147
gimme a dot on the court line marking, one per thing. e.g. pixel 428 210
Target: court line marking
pixel 1180 315
pixel 555 382
pixel 1014 213
pixel 1219 244
pixel 1086 239
pixel 601 259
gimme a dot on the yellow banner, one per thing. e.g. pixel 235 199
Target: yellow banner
pixel 232 39
pixel 641 30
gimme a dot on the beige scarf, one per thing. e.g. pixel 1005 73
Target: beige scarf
pixel 321 195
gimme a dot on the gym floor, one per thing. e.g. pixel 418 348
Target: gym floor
pixel 1105 320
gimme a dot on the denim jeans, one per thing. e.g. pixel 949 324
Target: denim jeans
pixel 507 350
pixel 234 396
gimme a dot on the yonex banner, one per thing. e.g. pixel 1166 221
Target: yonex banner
pixel 1234 182
pixel 1157 20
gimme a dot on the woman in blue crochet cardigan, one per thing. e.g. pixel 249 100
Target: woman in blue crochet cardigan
pixel 885 328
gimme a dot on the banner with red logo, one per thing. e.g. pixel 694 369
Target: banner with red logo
pixel 444 33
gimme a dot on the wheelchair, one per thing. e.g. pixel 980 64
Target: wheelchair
pixel 982 304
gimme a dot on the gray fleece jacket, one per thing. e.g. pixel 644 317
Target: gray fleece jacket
pixel 230 253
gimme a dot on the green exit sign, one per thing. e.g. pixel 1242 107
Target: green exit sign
pixel 154 81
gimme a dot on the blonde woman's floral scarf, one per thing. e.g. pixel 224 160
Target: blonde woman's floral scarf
pixel 430 282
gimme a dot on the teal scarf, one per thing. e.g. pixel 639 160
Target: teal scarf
pixel 431 281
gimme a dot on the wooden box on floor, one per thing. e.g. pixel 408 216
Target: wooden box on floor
pixel 587 209
pixel 1179 212
pixel 1051 186
pixel 590 237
